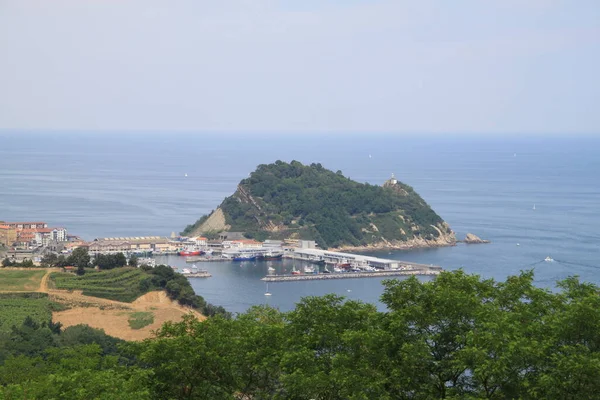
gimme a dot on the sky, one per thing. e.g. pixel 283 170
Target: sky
pixel 430 66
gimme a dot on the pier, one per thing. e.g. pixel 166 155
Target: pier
pixel 348 275
pixel 358 261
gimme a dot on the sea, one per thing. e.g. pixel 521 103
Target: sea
pixel 532 196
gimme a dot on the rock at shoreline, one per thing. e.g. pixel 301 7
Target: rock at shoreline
pixel 473 239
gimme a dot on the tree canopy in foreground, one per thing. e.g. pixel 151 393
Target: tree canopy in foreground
pixel 455 337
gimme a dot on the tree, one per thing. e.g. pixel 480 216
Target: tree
pixel 6 262
pixel 79 258
pixel 133 261
pixel 49 260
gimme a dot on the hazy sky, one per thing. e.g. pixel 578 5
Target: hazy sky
pixel 303 65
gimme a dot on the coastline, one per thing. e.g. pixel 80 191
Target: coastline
pixel 413 244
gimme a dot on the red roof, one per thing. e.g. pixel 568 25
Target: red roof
pixel 43 230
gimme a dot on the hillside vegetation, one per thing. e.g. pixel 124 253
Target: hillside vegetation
pixel 15 308
pixel 310 202
pixel 127 284
pixel 455 337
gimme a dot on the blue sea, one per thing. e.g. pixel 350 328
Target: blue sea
pixel 135 184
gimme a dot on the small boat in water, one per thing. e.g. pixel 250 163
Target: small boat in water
pixel 548 259
pixel 190 252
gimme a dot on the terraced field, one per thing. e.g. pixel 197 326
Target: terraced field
pixel 15 307
pixel 121 284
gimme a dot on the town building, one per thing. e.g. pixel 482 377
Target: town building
pixel 242 244
pixel 141 244
pixel 26 225
pixel 8 235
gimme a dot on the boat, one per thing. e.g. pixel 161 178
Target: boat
pixel 272 256
pixel 194 267
pixel 296 272
pixel 190 252
pixel 534 206
pixel 309 269
pixel 249 257
pixel 271 270
pixel 267 293
pixel 326 271
pixel 337 270
pixel 186 271
pixel 548 259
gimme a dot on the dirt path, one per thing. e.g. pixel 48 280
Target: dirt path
pixel 112 315
pixel 44 283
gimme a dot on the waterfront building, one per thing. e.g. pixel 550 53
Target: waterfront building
pixel 131 245
pixel 242 244
pixel 200 241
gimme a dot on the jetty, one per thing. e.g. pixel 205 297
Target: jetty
pixel 356 266
pixel 347 275
pixel 199 274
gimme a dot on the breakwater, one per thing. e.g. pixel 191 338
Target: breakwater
pixel 348 275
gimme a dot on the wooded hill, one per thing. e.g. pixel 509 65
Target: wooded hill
pixel 283 200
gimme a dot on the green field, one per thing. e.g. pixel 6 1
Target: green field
pixel 20 280
pixel 138 320
pixel 15 307
pixel 121 284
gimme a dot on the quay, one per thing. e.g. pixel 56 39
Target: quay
pixel 358 261
pixel 199 274
pixel 347 275
pixel 195 259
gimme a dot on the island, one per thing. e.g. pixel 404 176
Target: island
pixel 309 202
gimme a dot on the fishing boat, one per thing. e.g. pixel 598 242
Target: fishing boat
pixel 190 252
pixel 272 256
pixel 296 272
pixel 245 257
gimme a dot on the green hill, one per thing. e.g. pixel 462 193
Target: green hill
pixel 292 200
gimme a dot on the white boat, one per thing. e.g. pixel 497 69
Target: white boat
pixel 186 271
pixel 271 270
pixel 534 206
pixel 548 259
pixel 267 293
pixel 337 269
pixel 309 269
pixel 194 267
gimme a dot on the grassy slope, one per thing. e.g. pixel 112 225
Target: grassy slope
pixel 121 284
pixel 15 307
pixel 20 280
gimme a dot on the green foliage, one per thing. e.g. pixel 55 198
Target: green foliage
pixel 121 284
pixel 138 320
pixel 455 337
pixel 15 308
pixel 110 261
pixel 20 280
pixel 191 228
pixel 333 210
pixel 79 258
pixel 7 262
pixel 127 284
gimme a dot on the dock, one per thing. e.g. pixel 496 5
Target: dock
pixel 199 274
pixel 347 275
